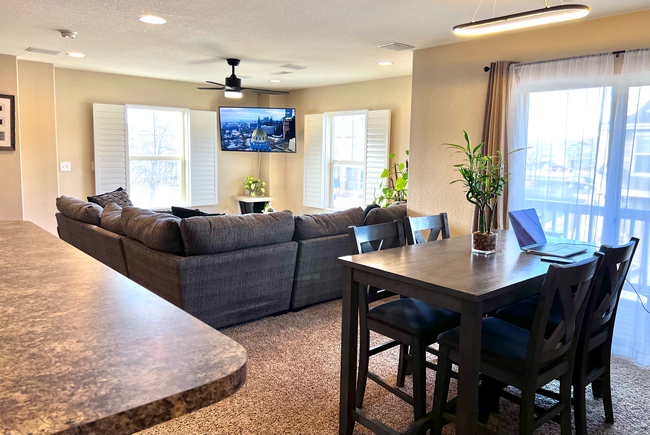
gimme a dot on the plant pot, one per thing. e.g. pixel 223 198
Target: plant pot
pixel 484 243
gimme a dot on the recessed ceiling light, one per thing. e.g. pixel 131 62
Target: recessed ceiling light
pixel 76 54
pixel 385 63
pixel 152 19
pixel 275 81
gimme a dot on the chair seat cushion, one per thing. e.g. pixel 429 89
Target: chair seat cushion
pixel 523 312
pixel 502 344
pixel 415 318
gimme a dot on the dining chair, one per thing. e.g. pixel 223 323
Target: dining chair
pixel 409 323
pixel 526 359
pixel 437 224
pixel 593 357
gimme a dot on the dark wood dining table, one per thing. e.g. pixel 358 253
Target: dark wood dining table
pixel 444 273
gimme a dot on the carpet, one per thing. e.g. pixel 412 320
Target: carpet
pixel 293 386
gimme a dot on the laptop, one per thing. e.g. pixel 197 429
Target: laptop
pixel 532 239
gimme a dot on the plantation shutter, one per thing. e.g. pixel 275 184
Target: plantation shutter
pixel 111 154
pixel 203 158
pixel 314 177
pixel 377 149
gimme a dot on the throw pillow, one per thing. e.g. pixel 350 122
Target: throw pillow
pixel 119 197
pixel 184 213
pixel 111 219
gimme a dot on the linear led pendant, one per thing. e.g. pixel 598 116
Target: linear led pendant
pixel 539 17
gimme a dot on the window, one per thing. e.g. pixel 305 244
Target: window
pixel 347 167
pixel 156 141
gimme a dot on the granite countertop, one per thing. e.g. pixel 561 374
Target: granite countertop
pixel 84 349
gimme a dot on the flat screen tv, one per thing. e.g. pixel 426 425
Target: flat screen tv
pixel 260 129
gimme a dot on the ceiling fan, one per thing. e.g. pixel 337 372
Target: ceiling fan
pixel 233 88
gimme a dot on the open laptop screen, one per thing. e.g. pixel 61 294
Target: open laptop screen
pixel 527 227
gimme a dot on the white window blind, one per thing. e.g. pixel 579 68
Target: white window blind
pixel 110 147
pixel 377 149
pixel 203 158
pixel 314 177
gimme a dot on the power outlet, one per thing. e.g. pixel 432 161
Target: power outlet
pixel 65 166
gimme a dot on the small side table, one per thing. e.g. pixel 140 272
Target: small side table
pixel 252 204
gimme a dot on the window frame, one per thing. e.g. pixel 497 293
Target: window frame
pixel 184 159
pixel 329 155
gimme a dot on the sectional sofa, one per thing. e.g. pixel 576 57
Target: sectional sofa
pixel 223 270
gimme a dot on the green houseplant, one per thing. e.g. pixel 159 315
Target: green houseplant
pixel 393 184
pixel 484 179
pixel 254 186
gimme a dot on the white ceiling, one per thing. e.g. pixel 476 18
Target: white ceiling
pixel 336 39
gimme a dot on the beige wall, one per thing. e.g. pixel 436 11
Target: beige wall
pixel 393 94
pixel 449 87
pixel 11 203
pixel 77 90
pixel 38 142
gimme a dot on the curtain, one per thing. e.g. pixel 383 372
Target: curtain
pixel 585 164
pixel 495 131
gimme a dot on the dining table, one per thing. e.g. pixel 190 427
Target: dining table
pixel 447 274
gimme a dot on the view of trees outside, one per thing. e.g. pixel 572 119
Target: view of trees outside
pixel 156 144
pixel 348 156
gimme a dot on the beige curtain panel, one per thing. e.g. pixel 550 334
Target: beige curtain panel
pixel 495 131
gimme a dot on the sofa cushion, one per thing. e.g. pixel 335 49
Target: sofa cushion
pixel 212 234
pixel 310 226
pixel 159 231
pixel 185 213
pixel 119 197
pixel 383 215
pixel 111 217
pixel 79 210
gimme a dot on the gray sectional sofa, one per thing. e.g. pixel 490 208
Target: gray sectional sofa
pixel 223 270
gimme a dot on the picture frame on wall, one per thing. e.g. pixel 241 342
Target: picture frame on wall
pixel 7 122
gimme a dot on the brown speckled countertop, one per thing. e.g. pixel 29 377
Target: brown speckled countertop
pixel 85 350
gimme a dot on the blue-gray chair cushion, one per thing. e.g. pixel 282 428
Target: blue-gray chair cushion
pixel 522 313
pixel 415 318
pixel 311 226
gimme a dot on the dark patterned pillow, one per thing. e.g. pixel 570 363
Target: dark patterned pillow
pixel 119 197
pixel 184 213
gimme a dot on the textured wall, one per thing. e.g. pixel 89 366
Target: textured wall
pixel 38 142
pixel 393 94
pixel 11 202
pixel 449 88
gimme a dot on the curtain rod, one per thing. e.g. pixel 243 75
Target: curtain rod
pixel 617 53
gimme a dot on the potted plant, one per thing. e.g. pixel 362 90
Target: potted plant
pixel 254 186
pixel 393 184
pixel 484 179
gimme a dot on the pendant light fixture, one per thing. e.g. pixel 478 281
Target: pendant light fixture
pixel 537 17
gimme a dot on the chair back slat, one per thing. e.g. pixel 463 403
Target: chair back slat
pixel 437 225
pixel 570 287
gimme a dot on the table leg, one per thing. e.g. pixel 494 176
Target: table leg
pixel 350 293
pixel 471 317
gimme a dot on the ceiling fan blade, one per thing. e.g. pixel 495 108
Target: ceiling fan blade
pixel 264 91
pixel 214 83
pixel 211 89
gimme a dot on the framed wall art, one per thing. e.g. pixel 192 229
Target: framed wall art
pixel 7 123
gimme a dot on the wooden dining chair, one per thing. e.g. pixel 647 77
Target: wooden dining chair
pixel 438 225
pixel 593 357
pixel 526 359
pixel 407 322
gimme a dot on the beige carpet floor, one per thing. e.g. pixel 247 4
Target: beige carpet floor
pixel 293 386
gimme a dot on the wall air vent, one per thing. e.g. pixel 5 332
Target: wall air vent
pixel 292 66
pixel 281 73
pixel 42 51
pixel 396 46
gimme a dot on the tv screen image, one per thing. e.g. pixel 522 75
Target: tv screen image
pixel 258 129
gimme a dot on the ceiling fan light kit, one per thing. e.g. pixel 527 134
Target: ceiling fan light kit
pixel 233 87
pixel 538 17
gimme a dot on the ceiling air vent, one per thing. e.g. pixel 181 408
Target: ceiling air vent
pixel 292 66
pixel 396 46
pixel 281 73
pixel 42 51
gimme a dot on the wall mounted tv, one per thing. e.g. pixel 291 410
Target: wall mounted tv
pixel 258 129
